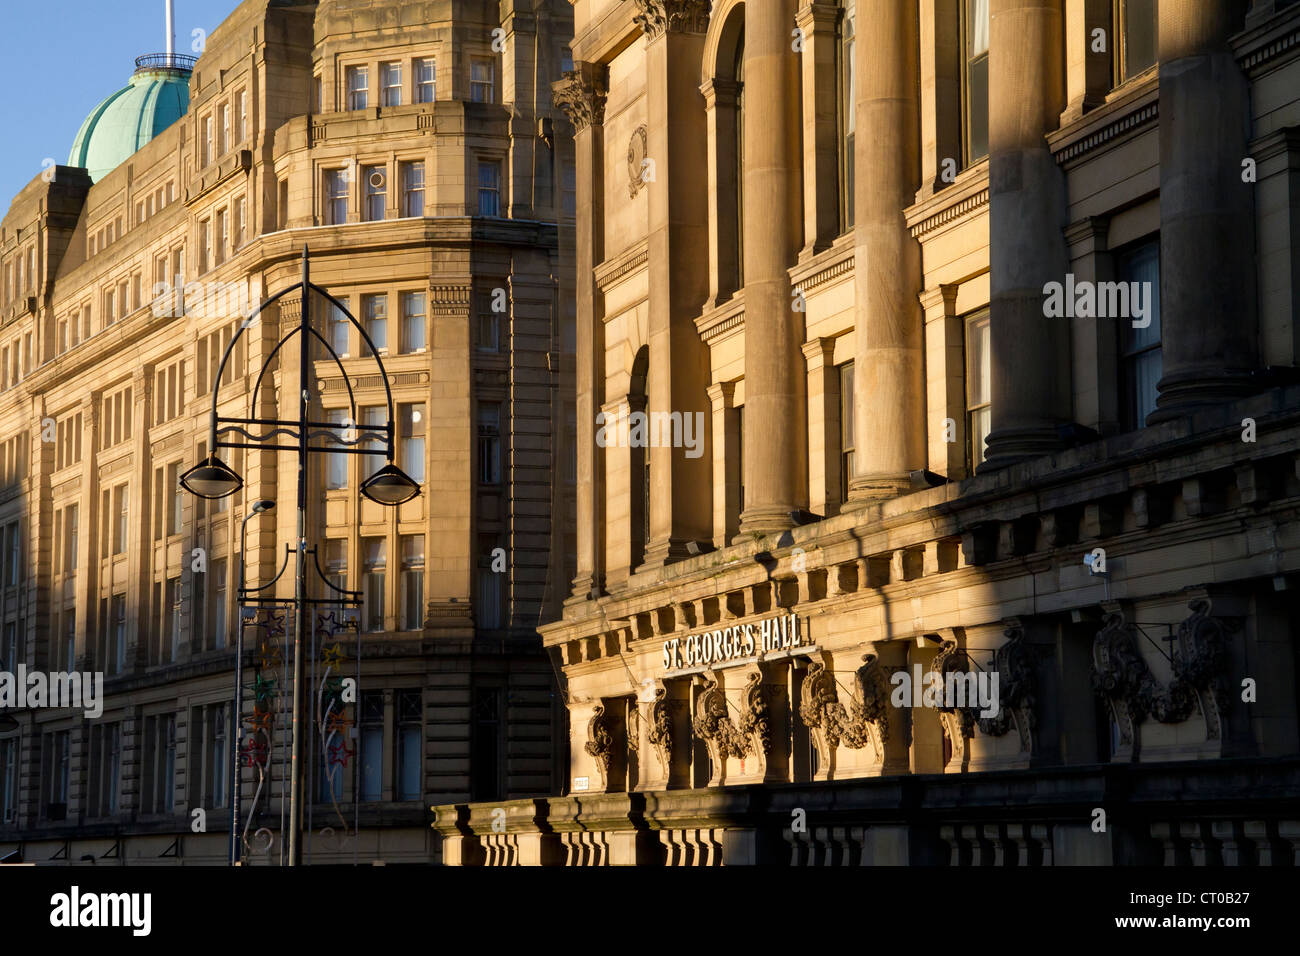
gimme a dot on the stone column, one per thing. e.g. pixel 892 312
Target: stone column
pixel 676 141
pixel 1031 361
pixel 775 447
pixel 889 360
pixel 581 94
pixel 726 449
pixel 1209 323
pixel 819 21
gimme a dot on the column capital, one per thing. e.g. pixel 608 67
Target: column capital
pixel 581 94
pixel 722 395
pixel 819 352
pixel 657 17
pixel 1092 230
pixel 719 91
pixel 817 16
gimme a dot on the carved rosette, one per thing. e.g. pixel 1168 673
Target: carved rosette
pixel 1013 663
pixel 657 17
pixel 581 93
pixel 660 731
pixel 600 743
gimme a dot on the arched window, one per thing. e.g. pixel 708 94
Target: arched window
pixel 848 110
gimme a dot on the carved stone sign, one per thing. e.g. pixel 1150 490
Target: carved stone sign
pixel 722 646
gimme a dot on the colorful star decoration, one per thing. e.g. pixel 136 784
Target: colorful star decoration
pixel 340 752
pixel 260 722
pixel 263 687
pixel 255 751
pixel 337 723
pixel 334 657
pixel 269 654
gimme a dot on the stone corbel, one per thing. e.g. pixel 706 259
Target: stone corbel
pixel 1015 666
pixel 600 743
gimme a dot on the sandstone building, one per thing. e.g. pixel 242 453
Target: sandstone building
pixel 991 312
pixel 413 146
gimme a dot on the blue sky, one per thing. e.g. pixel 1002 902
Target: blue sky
pixel 59 58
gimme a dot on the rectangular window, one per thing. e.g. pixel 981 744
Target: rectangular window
pixel 375 556
pixel 340 327
pixel 979 387
pixel 488 337
pixel 489 443
pixel 117 635
pixel 410 438
pixel 208 140
pixel 976 76
pixel 222 237
pixel 219 603
pixel 846 429
pixel 390 81
pixel 336 465
pixel 70 539
pixel 489 188
pixel 410 740
pixel 374 311
pixel 374 180
pixel 358 79
pixel 372 747
pixel 122 508
pixel 1140 357
pixel 241 221
pixel 413 189
pixel 241 114
pixel 413 316
pixel 8 781
pixel 336 197
pixel 336 563
pixel 205 245
pixel 223 114
pixel 60 767
pixel 172 621
pixel 176 495
pixel 218 755
pixel 1136 29
pixel 482 80
pixel 373 416
pixel 425 81
pixel 412 598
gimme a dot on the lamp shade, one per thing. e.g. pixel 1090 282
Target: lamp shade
pixel 390 486
pixel 211 478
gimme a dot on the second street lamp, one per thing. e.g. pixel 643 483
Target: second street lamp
pixel 213 478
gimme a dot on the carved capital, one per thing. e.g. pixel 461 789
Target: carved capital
pixel 657 17
pixel 581 94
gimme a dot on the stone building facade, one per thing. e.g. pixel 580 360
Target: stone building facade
pixel 414 148
pixel 988 311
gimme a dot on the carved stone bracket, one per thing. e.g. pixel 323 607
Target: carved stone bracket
pixel 660 730
pixel 657 17
pixel 600 743
pixel 866 720
pixel 1017 675
pixel 725 737
pixel 958 723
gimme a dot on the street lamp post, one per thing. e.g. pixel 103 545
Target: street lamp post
pixel 258 508
pixel 212 478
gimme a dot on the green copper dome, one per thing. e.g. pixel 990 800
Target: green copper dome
pixel 157 96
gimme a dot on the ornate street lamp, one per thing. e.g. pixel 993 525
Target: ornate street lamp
pixel 212 478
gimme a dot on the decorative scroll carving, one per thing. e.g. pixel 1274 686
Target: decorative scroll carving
pixel 600 743
pixel 1122 677
pixel 581 93
pixel 633 727
pixel 726 738
pixel 660 731
pixel 1017 675
pixel 958 723
pixel 658 17
pixel 866 720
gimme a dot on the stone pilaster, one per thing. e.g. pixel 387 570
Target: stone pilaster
pixel 1031 361
pixel 1209 340
pixel 1088 71
pixel 726 449
pixel 775 449
pixel 824 491
pixel 581 94
pixel 677 143
pixel 889 407
pixel 820 22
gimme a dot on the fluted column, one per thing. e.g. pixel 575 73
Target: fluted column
pixel 776 480
pixel 1027 207
pixel 1209 325
pixel 681 504
pixel 889 404
pixel 581 94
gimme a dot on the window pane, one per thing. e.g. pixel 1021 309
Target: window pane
pixel 413 322
pixel 411 421
pixel 374 308
pixel 1139 36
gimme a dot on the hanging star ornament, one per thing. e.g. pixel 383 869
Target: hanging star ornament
pixel 334 656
